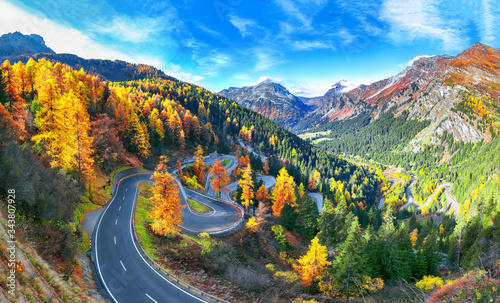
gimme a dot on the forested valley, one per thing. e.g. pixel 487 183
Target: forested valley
pixel 64 133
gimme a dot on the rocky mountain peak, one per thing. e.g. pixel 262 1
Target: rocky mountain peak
pixel 14 44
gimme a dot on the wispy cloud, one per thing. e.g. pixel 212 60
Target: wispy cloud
pixel 305 45
pixel 212 62
pixel 289 7
pixel 243 25
pixel 420 19
pixel 489 20
pixel 267 60
pixel 136 30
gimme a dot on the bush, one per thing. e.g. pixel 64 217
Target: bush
pixel 473 287
pixel 429 283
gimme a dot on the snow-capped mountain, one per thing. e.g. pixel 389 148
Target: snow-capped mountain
pixel 271 100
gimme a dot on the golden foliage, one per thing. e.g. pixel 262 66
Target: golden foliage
pixel 429 283
pixel 311 265
pixel 166 213
pixel 283 192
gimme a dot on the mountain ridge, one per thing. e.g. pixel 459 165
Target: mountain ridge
pixel 270 99
pixel 19 47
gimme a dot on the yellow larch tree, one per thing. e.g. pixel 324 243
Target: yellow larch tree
pixel 311 265
pixel 314 180
pixel 220 177
pixel 246 184
pixel 414 237
pixel 166 213
pixel 199 164
pixel 283 192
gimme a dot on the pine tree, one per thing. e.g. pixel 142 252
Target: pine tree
pixel 348 267
pixel 307 215
pixel 326 224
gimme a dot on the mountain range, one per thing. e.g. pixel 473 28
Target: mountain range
pixel 430 88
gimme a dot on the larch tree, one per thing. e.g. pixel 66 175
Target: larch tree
pixel 166 213
pixel 283 192
pixel 246 185
pixel 107 143
pixel 199 164
pixel 220 178
pixel 311 265
pixel 314 180
pixel 266 167
pixel 262 195
pixel 80 126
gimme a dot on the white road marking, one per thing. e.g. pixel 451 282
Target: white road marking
pixel 115 240
pixel 126 189
pixel 116 222
pixel 151 298
pixel 120 208
pixel 123 265
pixel 123 198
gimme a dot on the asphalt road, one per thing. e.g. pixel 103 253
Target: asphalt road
pixel 319 200
pixel 409 195
pixel 125 273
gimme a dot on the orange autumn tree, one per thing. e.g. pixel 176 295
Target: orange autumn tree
pixel 246 184
pixel 414 237
pixel 262 195
pixel 220 178
pixel 266 167
pixel 314 180
pixel 311 265
pixel 283 192
pixel 199 164
pixel 166 213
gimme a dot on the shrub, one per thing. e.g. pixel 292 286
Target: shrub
pixel 429 283
pixel 473 287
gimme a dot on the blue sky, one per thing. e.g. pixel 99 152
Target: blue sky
pixel 307 45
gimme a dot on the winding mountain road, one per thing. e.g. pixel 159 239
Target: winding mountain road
pixel 123 270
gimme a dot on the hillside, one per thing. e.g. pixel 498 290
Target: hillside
pixel 18 47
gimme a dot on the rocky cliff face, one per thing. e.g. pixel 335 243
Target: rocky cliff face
pixel 430 89
pixel 14 44
pixel 271 100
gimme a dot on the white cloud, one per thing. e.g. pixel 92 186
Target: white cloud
pixel 242 25
pixel 305 45
pixel 272 79
pixel 410 20
pixel 175 71
pixel 289 8
pixel 60 38
pixel 404 65
pixel 128 29
pixel 267 60
pixel 212 62
pixel 489 20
